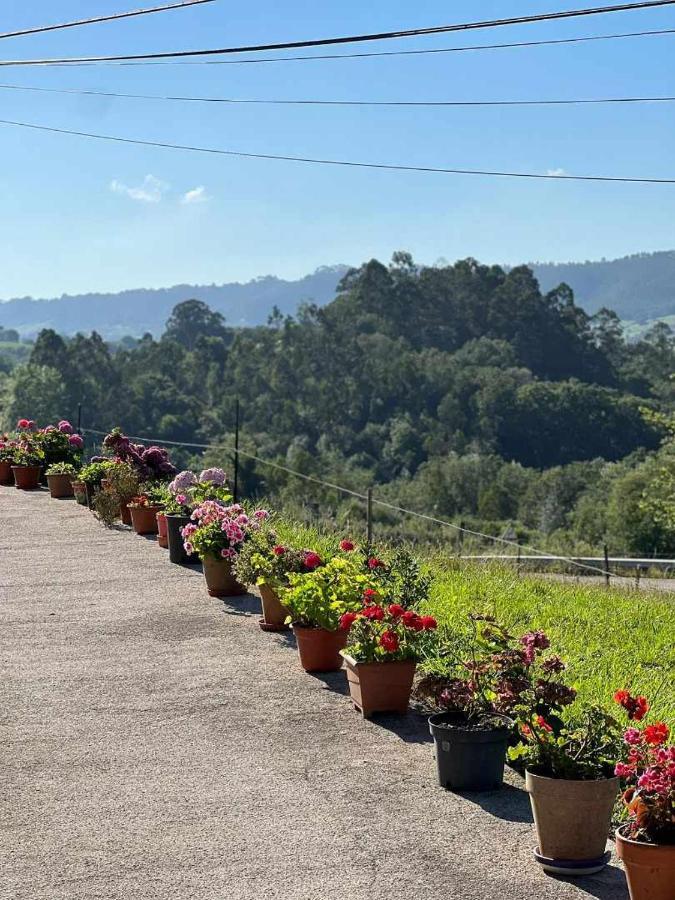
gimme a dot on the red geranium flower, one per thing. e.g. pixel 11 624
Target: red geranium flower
pixel 369 596
pixel 374 612
pixel 396 610
pixel 347 546
pixel 636 707
pixel 312 560
pixel 22 423
pixel 656 734
pixel 542 723
pixel 347 620
pixel 279 550
pixel 429 623
pixel 375 563
pixel 389 641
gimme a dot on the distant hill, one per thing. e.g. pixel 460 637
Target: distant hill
pixel 137 311
pixel 638 288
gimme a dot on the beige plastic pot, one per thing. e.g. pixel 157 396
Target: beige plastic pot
pixel 60 486
pixel 572 819
pixel 220 580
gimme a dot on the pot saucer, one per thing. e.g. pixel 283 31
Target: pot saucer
pixel 572 867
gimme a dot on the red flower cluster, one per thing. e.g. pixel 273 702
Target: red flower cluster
pixel 370 595
pixel 636 707
pixel 389 641
pixel 312 560
pixel 375 563
pixel 347 546
pixel 278 550
pixel 656 734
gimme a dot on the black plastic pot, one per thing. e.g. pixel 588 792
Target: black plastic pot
pixel 91 492
pixel 469 758
pixel 177 552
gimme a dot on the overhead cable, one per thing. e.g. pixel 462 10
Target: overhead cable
pixel 390 167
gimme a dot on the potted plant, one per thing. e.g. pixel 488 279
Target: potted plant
pixel 92 475
pixel 267 563
pixel 80 491
pixel 59 479
pixel 384 644
pixel 569 777
pixel 646 842
pixel 60 444
pixel 162 497
pixel 216 533
pixel 187 491
pixel 27 465
pixel 143 511
pixel 123 482
pixel 7 447
pixel 476 692
pixel 316 602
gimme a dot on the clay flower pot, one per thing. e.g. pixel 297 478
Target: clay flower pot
pixel 177 552
pixel 60 486
pixel 162 536
pixel 650 868
pixel 125 513
pixel 144 519
pixel 220 581
pixel 80 491
pixel 274 612
pixel 469 757
pixel 319 649
pixel 91 491
pixel 380 686
pixel 572 819
pixel 27 478
pixel 6 476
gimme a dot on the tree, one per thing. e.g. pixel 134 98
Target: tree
pixel 37 392
pixel 192 319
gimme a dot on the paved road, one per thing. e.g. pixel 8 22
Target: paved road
pixel 154 743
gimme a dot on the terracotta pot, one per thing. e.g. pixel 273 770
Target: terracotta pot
pixel 125 512
pixel 319 649
pixel 220 581
pixel 27 478
pixel 144 519
pixel 380 686
pixel 80 491
pixel 572 819
pixel 274 612
pixel 162 536
pixel 91 491
pixel 6 476
pixel 650 868
pixel 60 486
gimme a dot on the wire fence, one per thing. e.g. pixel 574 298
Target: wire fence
pixel 370 499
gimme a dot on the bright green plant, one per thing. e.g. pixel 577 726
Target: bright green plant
pixel 265 560
pixel 322 596
pixel 124 481
pixel 61 468
pixel 26 454
pixel 94 473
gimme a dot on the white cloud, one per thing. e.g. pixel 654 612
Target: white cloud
pixel 196 195
pixel 556 172
pixel 150 191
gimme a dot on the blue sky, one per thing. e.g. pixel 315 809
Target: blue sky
pixel 80 215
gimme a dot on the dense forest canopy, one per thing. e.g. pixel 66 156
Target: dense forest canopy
pixel 462 390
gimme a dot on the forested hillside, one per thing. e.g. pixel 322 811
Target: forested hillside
pixel 461 391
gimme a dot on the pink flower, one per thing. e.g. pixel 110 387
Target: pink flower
pixel 65 427
pixel 76 441
pixel 632 736
pixel 261 514
pixel 228 553
pixel 621 770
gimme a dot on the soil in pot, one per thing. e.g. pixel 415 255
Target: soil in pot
pixel 650 868
pixel 177 552
pixel 572 819
pixel 220 581
pixel 144 519
pixel 80 491
pixel 27 478
pixel 469 757
pixel 319 649
pixel 60 486
pixel 6 476
pixel 274 612
pixel 162 537
pixel 380 687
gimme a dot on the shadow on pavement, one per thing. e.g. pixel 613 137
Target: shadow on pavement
pixel 242 605
pixel 334 681
pixel 412 728
pixel 610 884
pixel 512 804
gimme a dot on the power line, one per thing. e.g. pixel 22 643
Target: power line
pixel 41 29
pixel 367 103
pixel 361 496
pixel 390 167
pixel 360 38
pixel 337 56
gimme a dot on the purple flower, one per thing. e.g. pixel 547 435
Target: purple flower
pixel 182 482
pixel 215 476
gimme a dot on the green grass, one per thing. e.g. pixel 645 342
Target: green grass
pixel 610 638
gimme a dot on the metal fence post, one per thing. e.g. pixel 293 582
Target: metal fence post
pixel 236 451
pixel 79 418
pixel 607 573
pixel 369 517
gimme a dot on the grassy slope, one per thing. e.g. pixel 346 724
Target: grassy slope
pixel 611 638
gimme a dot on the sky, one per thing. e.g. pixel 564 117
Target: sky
pixel 80 215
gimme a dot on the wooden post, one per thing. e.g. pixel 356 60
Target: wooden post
pixel 460 540
pixel 79 418
pixel 369 518
pixel 518 568
pixel 607 573
pixel 236 451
